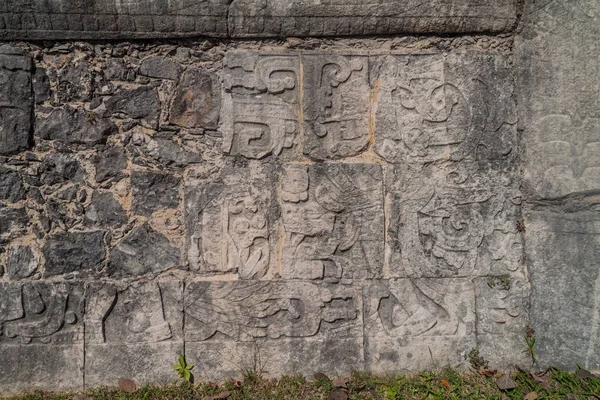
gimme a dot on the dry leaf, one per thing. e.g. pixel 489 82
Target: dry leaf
pixel 220 396
pixel 339 382
pixel 445 383
pixel 531 396
pixel 339 395
pixel 127 385
pixel 488 372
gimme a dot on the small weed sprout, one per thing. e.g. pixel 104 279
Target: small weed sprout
pixel 183 368
pixel 530 339
pixel 476 360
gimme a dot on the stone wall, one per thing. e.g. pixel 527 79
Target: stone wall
pixel 294 205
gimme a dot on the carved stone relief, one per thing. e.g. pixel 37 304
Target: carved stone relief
pixel 332 216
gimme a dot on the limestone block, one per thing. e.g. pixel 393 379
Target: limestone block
pixel 261 104
pixel 434 107
pixel 282 327
pixel 231 220
pixel 41 326
pixel 133 331
pixel 108 19
pixel 563 249
pixel 16 100
pixel 276 18
pixel 332 218
pixel 336 105
pixel 558 70
pixel 453 220
pixel 196 101
pixel 416 324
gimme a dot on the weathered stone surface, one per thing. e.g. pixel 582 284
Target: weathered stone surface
pixel 412 324
pixel 107 19
pixel 160 67
pixel 153 191
pixel 141 103
pixel 67 252
pixel 255 18
pixel 141 252
pixel 13 221
pixel 558 56
pixel 452 220
pixel 60 168
pixel 336 105
pixel 196 101
pixel 105 211
pixel 42 324
pixel 21 262
pixel 16 100
pixel 133 330
pixel 11 185
pixel 278 326
pixel 436 108
pixel 563 249
pixel 261 104
pixel 231 221
pixel 109 163
pixel 70 125
pixel 332 218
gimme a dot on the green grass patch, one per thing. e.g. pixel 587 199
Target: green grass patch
pixel 443 384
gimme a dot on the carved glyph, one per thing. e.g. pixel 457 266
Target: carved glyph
pixel 332 216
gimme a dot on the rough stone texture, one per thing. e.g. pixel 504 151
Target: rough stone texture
pixel 300 205
pixel 559 85
pixel 75 126
pixel 16 100
pixel 261 18
pixel 558 70
pixel 109 19
pixel 42 324
pixel 68 252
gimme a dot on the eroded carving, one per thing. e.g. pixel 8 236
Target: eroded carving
pixel 332 217
pixel 336 105
pixel 434 107
pixel 456 220
pixel 49 313
pixel 230 220
pixel 246 310
pixel 261 104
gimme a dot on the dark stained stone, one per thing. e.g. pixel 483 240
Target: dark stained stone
pixel 13 219
pixel 141 103
pixel 142 251
pixel 153 191
pixel 11 185
pixel 21 262
pixel 197 101
pixel 160 67
pixel 72 126
pixel 109 163
pixel 67 252
pixel 16 100
pixel 105 211
pixel 41 85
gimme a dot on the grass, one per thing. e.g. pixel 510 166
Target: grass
pixel 444 384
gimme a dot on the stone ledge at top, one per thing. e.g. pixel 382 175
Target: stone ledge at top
pixel 115 19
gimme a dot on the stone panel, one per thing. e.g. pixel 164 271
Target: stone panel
pixel 336 105
pixel 41 326
pixel 416 324
pixel 438 107
pixel 453 220
pixel 276 18
pixel 109 19
pixel 261 104
pixel 333 222
pixel 132 331
pixel 563 249
pixel 558 61
pixel 282 327
pixel 231 220
pixel 16 100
